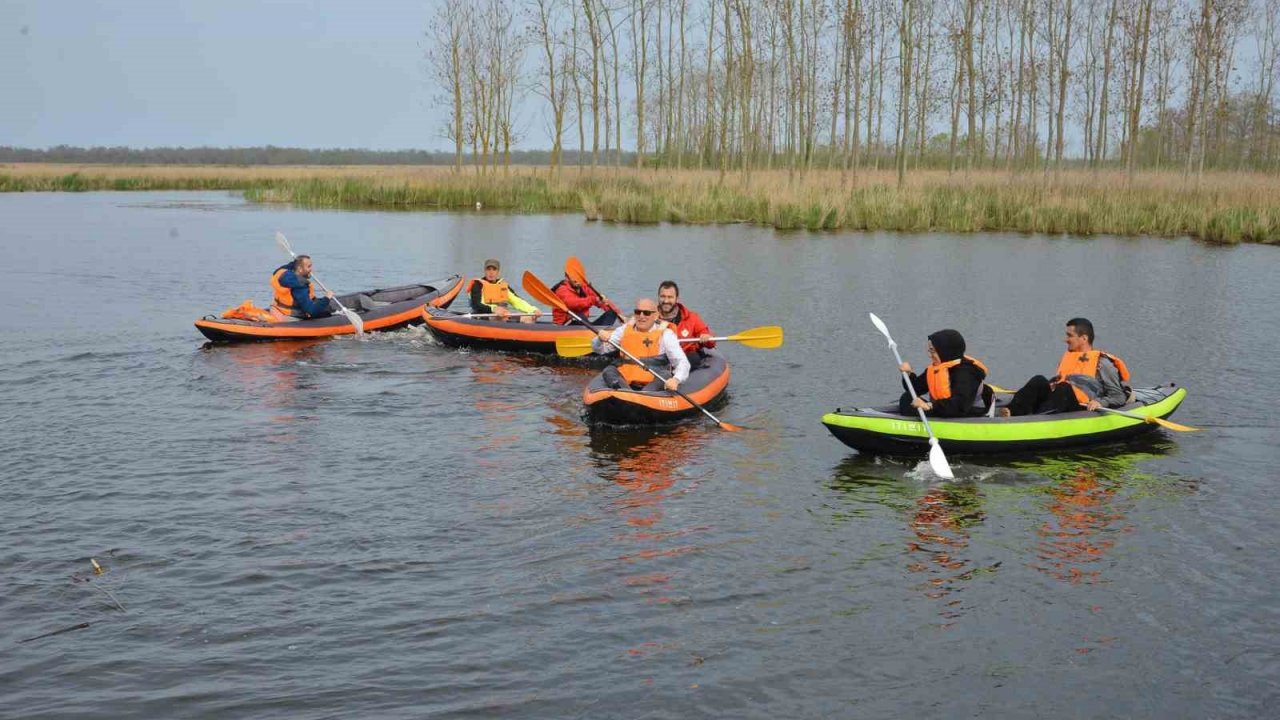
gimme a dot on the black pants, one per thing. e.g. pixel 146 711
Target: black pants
pixel 607 320
pixel 1037 396
pixel 614 379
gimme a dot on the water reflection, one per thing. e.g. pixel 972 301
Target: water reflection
pixel 653 467
pixel 1088 502
pixel 270 373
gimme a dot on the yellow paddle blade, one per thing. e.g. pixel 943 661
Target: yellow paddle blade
pixel 1172 425
pixel 573 346
pixel 999 390
pixel 766 337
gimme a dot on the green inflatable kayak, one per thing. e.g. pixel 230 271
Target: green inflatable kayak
pixel 883 430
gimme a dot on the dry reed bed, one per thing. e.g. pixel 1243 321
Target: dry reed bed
pixel 1220 207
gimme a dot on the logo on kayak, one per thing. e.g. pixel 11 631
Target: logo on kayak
pixel 902 426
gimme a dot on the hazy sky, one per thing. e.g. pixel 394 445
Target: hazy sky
pixel 218 72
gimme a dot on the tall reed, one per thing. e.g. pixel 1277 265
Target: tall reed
pixel 1222 208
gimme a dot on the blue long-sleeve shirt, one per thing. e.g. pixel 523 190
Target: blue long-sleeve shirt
pixel 300 288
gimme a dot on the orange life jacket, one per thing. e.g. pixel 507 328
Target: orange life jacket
pixel 643 345
pixel 1086 363
pixel 248 311
pixel 493 293
pixel 939 377
pixel 282 297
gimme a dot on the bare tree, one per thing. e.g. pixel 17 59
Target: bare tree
pixel 445 56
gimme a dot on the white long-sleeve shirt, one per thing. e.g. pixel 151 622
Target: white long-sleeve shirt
pixel 667 343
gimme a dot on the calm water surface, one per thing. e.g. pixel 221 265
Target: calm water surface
pixel 390 528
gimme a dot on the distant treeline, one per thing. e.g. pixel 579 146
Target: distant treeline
pixel 268 155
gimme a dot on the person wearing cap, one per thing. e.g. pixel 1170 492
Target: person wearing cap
pixel 492 294
pixel 580 297
pixel 952 385
pixel 652 342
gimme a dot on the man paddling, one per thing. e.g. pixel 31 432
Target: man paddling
pixel 292 295
pixel 1087 379
pixel 650 341
pixel 492 294
pixel 686 323
pixel 580 298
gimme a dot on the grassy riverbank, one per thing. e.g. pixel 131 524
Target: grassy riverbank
pixel 1223 207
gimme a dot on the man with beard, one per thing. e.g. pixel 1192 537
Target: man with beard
pixel 292 295
pixel 687 324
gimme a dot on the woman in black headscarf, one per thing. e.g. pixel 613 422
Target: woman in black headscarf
pixel 952 385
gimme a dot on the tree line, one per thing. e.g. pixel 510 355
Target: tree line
pixel 740 85
pixel 247 156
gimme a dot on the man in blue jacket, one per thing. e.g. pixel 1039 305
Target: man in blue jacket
pixel 292 294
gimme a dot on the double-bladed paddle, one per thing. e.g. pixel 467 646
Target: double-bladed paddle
pixel 543 294
pixel 352 318
pixel 574 268
pixel 937 458
pixel 766 337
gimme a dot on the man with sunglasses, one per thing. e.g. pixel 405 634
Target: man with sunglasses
pixel 649 340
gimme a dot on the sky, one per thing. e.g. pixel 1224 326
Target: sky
pixel 145 73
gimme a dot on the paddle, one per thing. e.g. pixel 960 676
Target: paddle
pixel 1149 419
pixel 578 273
pixel 766 337
pixel 937 458
pixel 469 316
pixel 352 318
pixel 538 290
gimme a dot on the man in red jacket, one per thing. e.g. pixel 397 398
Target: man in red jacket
pixel 693 334
pixel 580 299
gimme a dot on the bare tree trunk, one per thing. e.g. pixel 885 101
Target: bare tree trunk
pixel 969 8
pixel 1064 67
pixel 1143 26
pixel 904 34
pixel 639 62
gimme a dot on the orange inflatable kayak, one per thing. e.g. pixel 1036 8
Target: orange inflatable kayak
pixel 383 309
pixel 707 385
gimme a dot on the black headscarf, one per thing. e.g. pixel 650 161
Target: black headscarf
pixel 949 344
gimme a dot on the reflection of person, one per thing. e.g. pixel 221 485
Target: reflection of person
pixel 684 322
pixel 580 299
pixel 492 294
pixel 1087 379
pixel 648 340
pixel 292 294
pixel 952 385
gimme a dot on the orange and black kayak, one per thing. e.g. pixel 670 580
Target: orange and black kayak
pixel 458 330
pixel 707 385
pixel 384 309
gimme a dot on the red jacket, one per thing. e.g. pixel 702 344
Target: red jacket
pixel 690 325
pixel 580 302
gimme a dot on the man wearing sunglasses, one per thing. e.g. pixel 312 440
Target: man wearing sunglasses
pixel 649 340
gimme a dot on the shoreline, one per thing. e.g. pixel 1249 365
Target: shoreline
pixel 1223 208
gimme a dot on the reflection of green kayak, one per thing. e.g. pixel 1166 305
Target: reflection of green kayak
pixel 883 430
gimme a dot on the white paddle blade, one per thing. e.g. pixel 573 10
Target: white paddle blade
pixel 355 320
pixel 283 242
pixel 938 461
pixel 884 329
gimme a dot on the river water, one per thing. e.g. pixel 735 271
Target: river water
pixel 389 528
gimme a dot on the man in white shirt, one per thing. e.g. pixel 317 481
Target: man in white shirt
pixel 649 341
